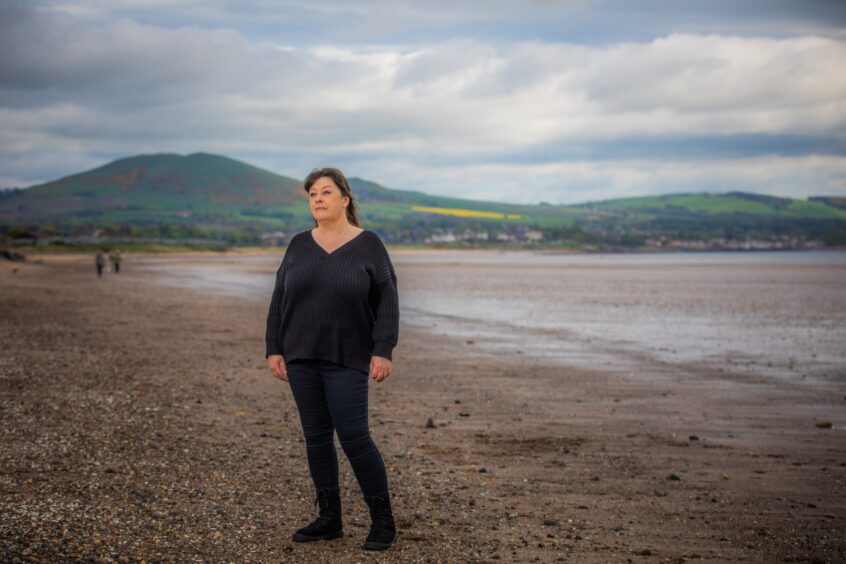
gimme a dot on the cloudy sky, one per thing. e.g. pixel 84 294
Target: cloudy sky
pixel 562 101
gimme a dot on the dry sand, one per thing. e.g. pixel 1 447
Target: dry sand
pixel 141 423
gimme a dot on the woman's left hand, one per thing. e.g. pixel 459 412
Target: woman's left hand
pixel 380 368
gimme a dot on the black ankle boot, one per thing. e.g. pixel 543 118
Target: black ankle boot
pixel 383 531
pixel 328 524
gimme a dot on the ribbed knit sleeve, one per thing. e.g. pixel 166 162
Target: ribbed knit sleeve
pixel 274 314
pixel 386 307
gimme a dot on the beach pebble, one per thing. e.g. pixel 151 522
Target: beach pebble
pixel 823 424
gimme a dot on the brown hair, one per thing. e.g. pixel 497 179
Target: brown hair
pixel 341 182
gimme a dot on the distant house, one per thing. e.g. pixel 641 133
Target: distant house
pixel 447 237
pixel 469 234
pixel 275 238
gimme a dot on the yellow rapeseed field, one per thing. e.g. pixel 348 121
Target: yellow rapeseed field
pixel 467 213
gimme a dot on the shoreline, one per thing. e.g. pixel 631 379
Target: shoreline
pixel 416 249
pixel 186 435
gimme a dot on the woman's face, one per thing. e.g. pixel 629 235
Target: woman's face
pixel 326 201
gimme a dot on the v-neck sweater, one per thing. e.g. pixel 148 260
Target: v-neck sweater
pixel 341 306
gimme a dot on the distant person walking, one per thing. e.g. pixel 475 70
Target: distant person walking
pixel 100 261
pixel 115 259
pixel 334 318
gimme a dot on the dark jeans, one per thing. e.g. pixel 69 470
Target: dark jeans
pixel 331 397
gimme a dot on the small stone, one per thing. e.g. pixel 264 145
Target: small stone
pixel 823 424
pixel 674 477
pixel 430 424
pixel 483 470
pixel 550 522
pixel 693 438
pixel 464 414
pixel 470 342
pixel 660 493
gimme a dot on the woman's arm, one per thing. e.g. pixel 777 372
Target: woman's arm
pixel 274 314
pixel 385 308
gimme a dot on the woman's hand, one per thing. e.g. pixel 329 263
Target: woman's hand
pixel 380 368
pixel 277 367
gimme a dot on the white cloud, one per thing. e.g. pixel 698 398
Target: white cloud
pixel 488 114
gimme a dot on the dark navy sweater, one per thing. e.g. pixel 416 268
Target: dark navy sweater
pixel 340 306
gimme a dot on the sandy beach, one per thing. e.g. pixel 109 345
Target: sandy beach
pixel 140 423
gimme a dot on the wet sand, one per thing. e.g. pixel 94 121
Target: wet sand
pixel 140 423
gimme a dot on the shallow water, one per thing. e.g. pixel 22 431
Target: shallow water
pixel 777 314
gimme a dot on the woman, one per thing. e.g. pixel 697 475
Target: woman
pixel 334 318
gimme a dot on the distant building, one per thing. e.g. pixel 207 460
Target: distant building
pixel 275 238
pixel 469 235
pixel 448 237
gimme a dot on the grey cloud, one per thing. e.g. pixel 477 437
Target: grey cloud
pixel 121 64
pixel 598 22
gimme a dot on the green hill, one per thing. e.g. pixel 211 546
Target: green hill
pixel 155 188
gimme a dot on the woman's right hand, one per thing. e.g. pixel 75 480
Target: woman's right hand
pixel 277 366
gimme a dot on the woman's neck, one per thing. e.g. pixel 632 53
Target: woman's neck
pixel 337 227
